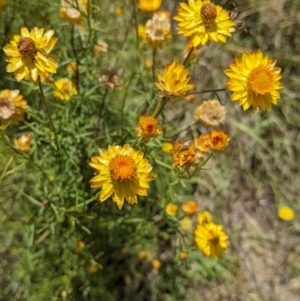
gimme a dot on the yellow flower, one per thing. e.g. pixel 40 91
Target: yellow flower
pixel 204 218
pixel 80 245
pixel 12 107
pixel 203 22
pixel 143 255
pixel 118 11
pixel 72 68
pixel 149 5
pixel 92 269
pixel 71 10
pixel 174 81
pixel 201 144
pixel 190 98
pixel 254 81
pixel 23 143
pixel 148 128
pixel 122 172
pixel 2 5
pixel 158 30
pixel 210 113
pixel 64 89
pixel 186 224
pixel 171 209
pixel 286 213
pixel 190 207
pixel 183 255
pixel 156 264
pixel 211 239
pixel 218 141
pixel 167 147
pixel 148 63
pixel 28 55
pixel 184 154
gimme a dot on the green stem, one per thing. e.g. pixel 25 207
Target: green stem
pixel 207 91
pixel 153 63
pixel 135 23
pixel 159 107
pixel 48 114
pixel 188 56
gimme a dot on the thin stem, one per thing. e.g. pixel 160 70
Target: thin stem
pixel 103 102
pixel 207 91
pixel 188 56
pixel 159 107
pixel 135 23
pixel 153 63
pixel 48 114
pixel 76 57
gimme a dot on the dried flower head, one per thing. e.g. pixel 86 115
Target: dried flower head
pixel 171 209
pixel 254 81
pixel 12 106
pixel 149 5
pixel 28 55
pixel 23 143
pixel 73 10
pixel 190 207
pixel 218 141
pixel 158 30
pixel 64 89
pixel 101 47
pixel 211 113
pixel 203 22
pixel 184 154
pixel 122 172
pixel 110 79
pixel 148 128
pixel 174 81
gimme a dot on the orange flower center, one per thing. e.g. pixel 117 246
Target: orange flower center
pixel 122 168
pixel 7 107
pixel 212 239
pixel 26 46
pixel 65 88
pixel 208 13
pixel 261 80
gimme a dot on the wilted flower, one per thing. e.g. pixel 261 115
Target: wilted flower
pixel 23 143
pixel 204 218
pixel 210 113
pixel 211 239
pixel 28 55
pixel 12 106
pixel 158 30
pixel 71 10
pixel 174 81
pixel 254 81
pixel 110 79
pixel 203 22
pixel 122 172
pixel 64 89
pixel 218 141
pixel 148 128
pixel 171 209
pixel 190 207
pixel 286 213
pixel 101 47
pixel 184 154
pixel 149 5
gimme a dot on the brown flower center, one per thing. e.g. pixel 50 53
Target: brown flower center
pixel 122 168
pixel 7 107
pixel 208 13
pixel 261 80
pixel 26 46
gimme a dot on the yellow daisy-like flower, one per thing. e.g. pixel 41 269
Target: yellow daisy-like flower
pixel 286 213
pixel 254 81
pixel 23 143
pixel 186 223
pixel 167 147
pixel 64 89
pixel 122 172
pixel 148 128
pixel 171 209
pixel 12 107
pixel 149 5
pixel 204 218
pixel 71 10
pixel 28 55
pixel 211 239
pixel 174 81
pixel 203 22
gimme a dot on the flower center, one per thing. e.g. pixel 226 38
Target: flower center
pixel 122 168
pixel 261 80
pixel 7 107
pixel 213 239
pixel 26 46
pixel 208 13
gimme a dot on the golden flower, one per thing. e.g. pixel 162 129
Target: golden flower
pixel 158 30
pixel 23 143
pixel 186 224
pixel 171 209
pixel 72 68
pixel 204 218
pixel 202 145
pixel 183 255
pixel 148 63
pixel 184 154
pixel 92 269
pixel 254 81
pixel 190 207
pixel 286 213
pixel 167 147
pixel 12 106
pixel 28 55
pixel 72 10
pixel 174 81
pixel 211 239
pixel 203 22
pixel 118 11
pixel 218 141
pixel 110 79
pixel 190 98
pixel 122 172
pixel 64 89
pixel 143 255
pixel 210 113
pixel 80 245
pixel 148 128
pixel 156 264
pixel 141 32
pixel 149 5
pixel 101 47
